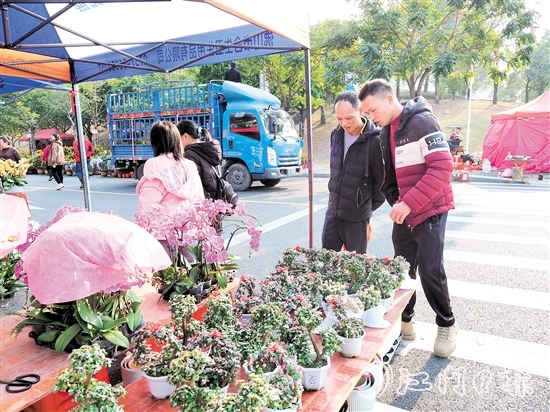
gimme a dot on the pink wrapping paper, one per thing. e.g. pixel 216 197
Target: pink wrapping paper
pixel 14 214
pixel 85 253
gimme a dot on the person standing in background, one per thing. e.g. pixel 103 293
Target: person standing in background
pixel 168 178
pixel 89 147
pixel 7 151
pixel 56 160
pixel 417 185
pixel 356 174
pixel 233 75
pixel 206 154
pixel 45 156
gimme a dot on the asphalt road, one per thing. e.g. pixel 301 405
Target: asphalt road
pixel 497 260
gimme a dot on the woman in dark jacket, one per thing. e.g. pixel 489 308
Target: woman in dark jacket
pixel 206 152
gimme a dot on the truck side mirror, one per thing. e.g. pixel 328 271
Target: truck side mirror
pixel 272 124
pixel 301 130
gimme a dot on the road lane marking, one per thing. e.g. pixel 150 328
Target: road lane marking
pixel 498 222
pixel 497 260
pixel 275 224
pixel 498 294
pixel 491 237
pixel 517 355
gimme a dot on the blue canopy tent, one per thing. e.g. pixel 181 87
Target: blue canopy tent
pixel 56 42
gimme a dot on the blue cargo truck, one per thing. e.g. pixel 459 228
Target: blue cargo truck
pixel 259 140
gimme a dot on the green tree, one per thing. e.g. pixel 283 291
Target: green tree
pixel 409 39
pixel 537 75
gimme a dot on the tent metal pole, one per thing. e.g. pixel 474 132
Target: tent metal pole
pixel 309 143
pixel 80 137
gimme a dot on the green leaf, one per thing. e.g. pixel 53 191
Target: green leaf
pixel 222 281
pixel 87 315
pixel 134 320
pixel 48 336
pixel 112 324
pixel 116 337
pixel 67 336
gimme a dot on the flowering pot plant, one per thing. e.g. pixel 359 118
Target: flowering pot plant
pixel 181 307
pixel 199 254
pixel 288 386
pixel 9 283
pixel 223 358
pixel 381 278
pixel 268 358
pixel 369 296
pixel 155 363
pixel 266 319
pixel 351 328
pixel 13 173
pixel 343 305
pixel 219 313
pixel 78 380
pixel 309 319
pixel 331 287
pixel 245 297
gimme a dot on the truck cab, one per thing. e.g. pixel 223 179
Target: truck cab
pixel 259 140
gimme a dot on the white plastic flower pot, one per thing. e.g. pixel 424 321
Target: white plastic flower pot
pixel 266 374
pixel 314 379
pixel 351 347
pixel 363 396
pixel 374 317
pixel 376 368
pixel 388 301
pixel 130 372
pixel 159 386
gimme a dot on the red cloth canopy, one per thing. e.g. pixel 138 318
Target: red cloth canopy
pixel 525 131
pixel 46 134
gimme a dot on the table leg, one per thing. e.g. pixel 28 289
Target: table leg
pixel 519 173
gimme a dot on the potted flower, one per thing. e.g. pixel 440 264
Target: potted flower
pixel 223 360
pixel 267 360
pixel 187 371
pixel 85 390
pixel 9 283
pixel 373 316
pixel 382 280
pixel 352 331
pixel 181 307
pixel 12 174
pixel 245 297
pixel 267 319
pixel 219 313
pixel 199 254
pixel 155 363
pixel 315 365
pixel 288 385
pixel 330 287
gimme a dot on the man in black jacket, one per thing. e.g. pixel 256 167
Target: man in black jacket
pixel 233 75
pixel 356 174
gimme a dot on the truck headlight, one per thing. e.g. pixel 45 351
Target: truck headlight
pixel 271 157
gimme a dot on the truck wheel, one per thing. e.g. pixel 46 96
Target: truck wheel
pixel 270 183
pixel 239 177
pixel 138 171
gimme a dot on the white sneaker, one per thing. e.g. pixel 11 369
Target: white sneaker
pixel 445 343
pixel 60 186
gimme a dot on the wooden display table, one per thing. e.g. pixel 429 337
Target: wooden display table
pixel 519 165
pixel 21 356
pixel 342 375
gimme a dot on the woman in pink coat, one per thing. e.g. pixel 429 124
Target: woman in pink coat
pixel 168 178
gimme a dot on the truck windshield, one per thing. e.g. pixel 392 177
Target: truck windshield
pixel 284 125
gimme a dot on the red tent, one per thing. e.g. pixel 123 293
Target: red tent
pixel 525 131
pixel 46 134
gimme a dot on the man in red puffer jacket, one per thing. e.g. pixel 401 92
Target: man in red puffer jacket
pixel 417 184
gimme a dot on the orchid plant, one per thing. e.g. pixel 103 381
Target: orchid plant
pixel 198 252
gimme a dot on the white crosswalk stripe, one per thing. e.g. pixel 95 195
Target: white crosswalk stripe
pixel 504 230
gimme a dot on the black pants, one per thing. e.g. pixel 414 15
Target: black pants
pixel 49 170
pixel 423 246
pixel 338 232
pixel 57 173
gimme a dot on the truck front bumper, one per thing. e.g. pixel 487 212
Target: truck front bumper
pixel 278 173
